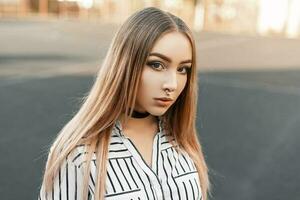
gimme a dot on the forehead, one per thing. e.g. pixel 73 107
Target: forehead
pixel 174 45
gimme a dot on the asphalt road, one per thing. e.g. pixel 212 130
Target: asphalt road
pixel 248 117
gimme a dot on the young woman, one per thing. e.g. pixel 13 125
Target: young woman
pixel 134 136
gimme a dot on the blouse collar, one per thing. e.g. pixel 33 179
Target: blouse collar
pixel 119 132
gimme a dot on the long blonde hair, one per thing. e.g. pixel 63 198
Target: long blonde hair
pixel 114 92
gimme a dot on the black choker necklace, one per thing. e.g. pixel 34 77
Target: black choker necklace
pixel 137 114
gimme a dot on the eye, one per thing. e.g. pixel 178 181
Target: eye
pixel 155 64
pixel 186 69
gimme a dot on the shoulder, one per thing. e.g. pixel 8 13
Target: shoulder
pixel 78 155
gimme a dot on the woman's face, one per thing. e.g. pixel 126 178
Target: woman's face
pixel 166 68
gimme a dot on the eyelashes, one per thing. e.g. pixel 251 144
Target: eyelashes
pixel 155 65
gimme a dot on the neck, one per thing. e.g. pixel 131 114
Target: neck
pixel 138 123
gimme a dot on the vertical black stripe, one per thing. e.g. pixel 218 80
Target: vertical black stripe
pixel 175 160
pixel 89 195
pixel 192 189
pixel 139 178
pixel 90 189
pixel 178 191
pixel 114 189
pixel 59 182
pixel 150 186
pixel 130 172
pixel 123 173
pixel 181 164
pixel 67 182
pixel 187 162
pixel 92 179
pixel 112 167
pixel 75 182
pixel 197 186
pixel 157 154
pixel 166 174
pixel 172 178
pixel 186 193
pixel 53 191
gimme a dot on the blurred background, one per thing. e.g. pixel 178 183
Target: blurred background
pixel 248 55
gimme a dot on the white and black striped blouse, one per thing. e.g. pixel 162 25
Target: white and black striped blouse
pixel 172 175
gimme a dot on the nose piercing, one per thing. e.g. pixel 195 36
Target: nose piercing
pixel 167 92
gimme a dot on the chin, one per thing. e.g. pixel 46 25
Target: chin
pixel 158 112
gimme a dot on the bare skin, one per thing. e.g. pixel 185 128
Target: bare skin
pixel 158 74
pixel 143 142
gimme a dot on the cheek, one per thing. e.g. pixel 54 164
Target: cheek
pixel 181 84
pixel 148 84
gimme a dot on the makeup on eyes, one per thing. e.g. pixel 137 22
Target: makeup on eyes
pixel 159 55
pixel 152 62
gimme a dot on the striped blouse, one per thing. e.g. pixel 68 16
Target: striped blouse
pixel 171 176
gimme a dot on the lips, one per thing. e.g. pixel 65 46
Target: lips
pixel 163 101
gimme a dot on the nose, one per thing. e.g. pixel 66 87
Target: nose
pixel 170 81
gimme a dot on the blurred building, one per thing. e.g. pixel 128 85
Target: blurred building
pixel 231 15
pixel 268 17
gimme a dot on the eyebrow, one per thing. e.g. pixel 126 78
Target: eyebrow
pixel 168 59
